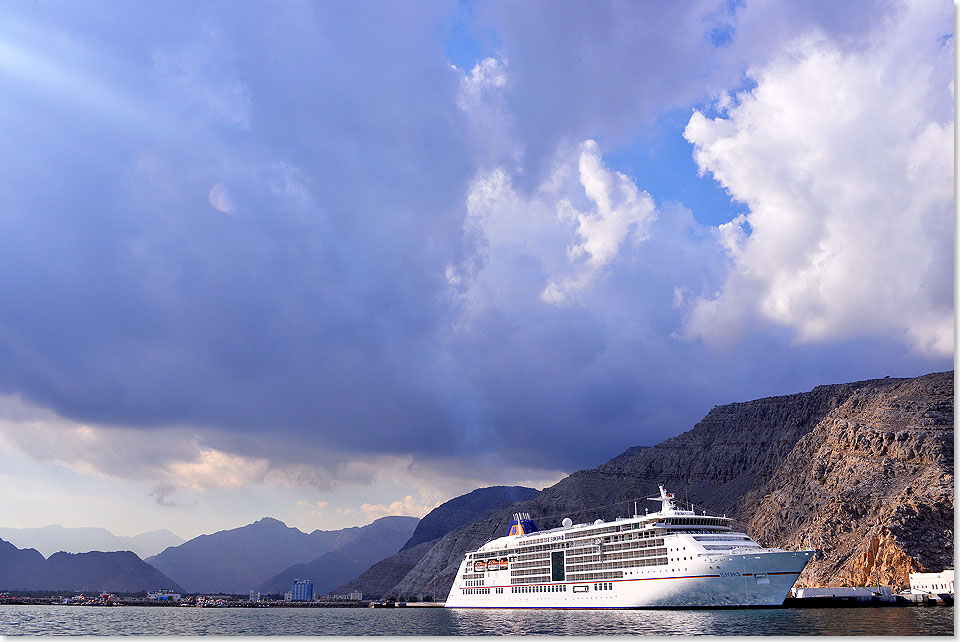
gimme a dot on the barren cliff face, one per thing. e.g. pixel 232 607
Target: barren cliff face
pixel 871 487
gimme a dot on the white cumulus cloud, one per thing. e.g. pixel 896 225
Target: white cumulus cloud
pixel 618 208
pixel 555 241
pixel 845 160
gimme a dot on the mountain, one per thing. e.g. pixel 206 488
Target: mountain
pixel 27 570
pixel 52 539
pixel 466 508
pixel 240 559
pixel 151 542
pixel 379 579
pixel 762 462
pixel 871 487
pixel 372 543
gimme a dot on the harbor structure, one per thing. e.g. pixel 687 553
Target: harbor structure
pixel 844 591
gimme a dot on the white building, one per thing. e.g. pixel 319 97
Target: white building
pixel 164 595
pixel 941 582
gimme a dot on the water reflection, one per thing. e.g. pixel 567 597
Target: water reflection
pixel 853 621
pixel 53 620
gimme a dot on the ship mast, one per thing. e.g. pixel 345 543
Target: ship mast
pixel 665 498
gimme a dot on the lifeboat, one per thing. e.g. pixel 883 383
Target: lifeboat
pixel 479 566
pixel 493 565
pixel 503 564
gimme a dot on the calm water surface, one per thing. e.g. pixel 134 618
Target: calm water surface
pixel 130 620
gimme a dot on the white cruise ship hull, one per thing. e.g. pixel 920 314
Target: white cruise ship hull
pixel 741 580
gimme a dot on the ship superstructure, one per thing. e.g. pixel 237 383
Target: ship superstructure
pixel 670 558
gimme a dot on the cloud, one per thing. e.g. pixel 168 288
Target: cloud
pixel 564 248
pixel 619 207
pixel 372 307
pixel 319 504
pixel 407 506
pixel 606 71
pixel 172 459
pixel 162 493
pixel 211 468
pixel 198 77
pixel 601 70
pixel 532 372
pixel 315 508
pixel 180 460
pixel 313 306
pixel 845 160
pixel 491 126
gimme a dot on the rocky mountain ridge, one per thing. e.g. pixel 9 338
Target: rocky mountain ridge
pixel 871 487
pixel 738 457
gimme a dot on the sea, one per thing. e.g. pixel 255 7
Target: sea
pixel 158 621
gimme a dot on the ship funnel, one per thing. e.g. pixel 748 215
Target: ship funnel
pixel 522 525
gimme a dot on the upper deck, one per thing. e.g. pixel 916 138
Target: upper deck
pixel 668 519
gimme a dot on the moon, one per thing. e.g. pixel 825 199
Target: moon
pixel 220 198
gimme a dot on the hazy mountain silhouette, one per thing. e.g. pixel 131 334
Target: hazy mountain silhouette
pixel 54 538
pixel 240 559
pixel 374 542
pixel 27 570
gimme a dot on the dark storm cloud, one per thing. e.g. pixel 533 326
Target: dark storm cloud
pixel 130 300
pixel 317 309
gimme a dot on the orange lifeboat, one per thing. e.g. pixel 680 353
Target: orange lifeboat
pixel 503 564
pixel 479 566
pixel 493 565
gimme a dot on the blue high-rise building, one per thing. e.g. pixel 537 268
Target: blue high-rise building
pixel 302 591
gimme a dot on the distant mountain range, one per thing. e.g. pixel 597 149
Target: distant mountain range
pixel 55 538
pixel 27 570
pixel 241 559
pixel 372 543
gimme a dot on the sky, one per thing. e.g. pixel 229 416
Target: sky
pixel 331 261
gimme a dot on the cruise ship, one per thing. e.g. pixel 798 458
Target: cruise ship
pixel 672 558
